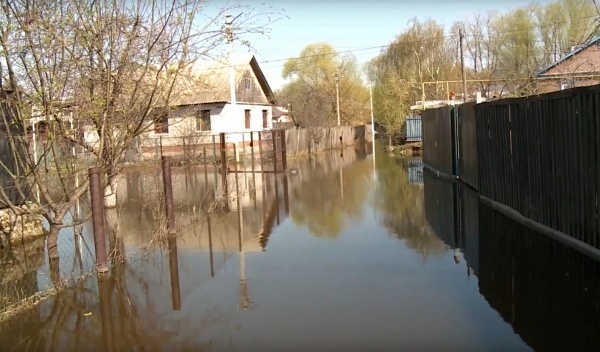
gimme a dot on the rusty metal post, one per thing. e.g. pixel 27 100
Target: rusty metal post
pixel 168 187
pixel 262 171
pixel 224 167
pixel 214 152
pixel 97 200
pixel 237 198
pixel 174 272
pixel 283 150
pixel 274 138
pixel 104 296
pixel 205 172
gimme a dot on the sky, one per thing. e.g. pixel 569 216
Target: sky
pixel 362 27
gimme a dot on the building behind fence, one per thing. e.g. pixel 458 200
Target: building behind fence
pixel 536 159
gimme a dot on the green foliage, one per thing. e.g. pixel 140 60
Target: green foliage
pixel 501 50
pixel 312 87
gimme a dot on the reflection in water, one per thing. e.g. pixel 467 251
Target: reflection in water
pixel 174 272
pixel 549 293
pixel 328 190
pixel 105 299
pixel 400 206
pixel 369 289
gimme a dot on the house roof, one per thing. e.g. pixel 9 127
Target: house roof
pixel 568 56
pixel 208 82
pixel 279 111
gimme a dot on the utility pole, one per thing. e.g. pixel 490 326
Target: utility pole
pixel 337 94
pixel 461 34
pixel 229 33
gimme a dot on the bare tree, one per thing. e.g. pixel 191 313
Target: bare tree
pixel 106 67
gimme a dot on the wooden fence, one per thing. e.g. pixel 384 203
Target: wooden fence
pixel 535 159
pixel 466 153
pixel 540 157
pixel 438 147
pixel 319 139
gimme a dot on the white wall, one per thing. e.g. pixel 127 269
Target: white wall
pixel 224 118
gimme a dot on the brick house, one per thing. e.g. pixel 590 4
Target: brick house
pixel 580 67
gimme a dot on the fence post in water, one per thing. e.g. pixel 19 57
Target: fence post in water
pixel 168 187
pixel 205 172
pixel 214 150
pixel 253 163
pixel 274 138
pixel 174 273
pixel 283 150
pixel 97 200
pixel 224 167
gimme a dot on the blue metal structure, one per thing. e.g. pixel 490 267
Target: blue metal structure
pixel 413 129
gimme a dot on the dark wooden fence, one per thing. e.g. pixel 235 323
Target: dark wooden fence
pixel 467 145
pixel 438 137
pixel 540 156
pixel 536 159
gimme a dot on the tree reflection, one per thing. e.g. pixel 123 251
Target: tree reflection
pixel 116 313
pixel 330 196
pixel 400 206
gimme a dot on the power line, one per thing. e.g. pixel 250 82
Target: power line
pixel 496 35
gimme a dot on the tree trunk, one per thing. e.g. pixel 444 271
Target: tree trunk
pixel 52 242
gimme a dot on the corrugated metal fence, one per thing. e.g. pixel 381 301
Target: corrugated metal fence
pixel 414 129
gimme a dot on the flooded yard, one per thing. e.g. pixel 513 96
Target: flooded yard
pixel 335 255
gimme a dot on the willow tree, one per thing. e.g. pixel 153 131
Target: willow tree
pixel 109 67
pixel 418 55
pixel 312 87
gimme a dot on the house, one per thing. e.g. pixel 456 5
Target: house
pixel 281 114
pixel 580 67
pixel 202 106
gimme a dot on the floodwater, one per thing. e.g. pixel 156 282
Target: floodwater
pixel 337 256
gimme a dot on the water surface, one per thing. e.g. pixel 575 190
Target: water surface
pixel 335 256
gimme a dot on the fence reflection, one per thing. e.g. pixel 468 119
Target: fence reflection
pixel 549 293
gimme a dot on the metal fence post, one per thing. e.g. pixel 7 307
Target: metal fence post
pixel 283 150
pixel 168 187
pixel 97 200
pixel 274 138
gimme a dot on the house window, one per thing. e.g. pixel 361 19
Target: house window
pixel 247 83
pixel 203 121
pixel 161 124
pixel 265 119
pixel 247 118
